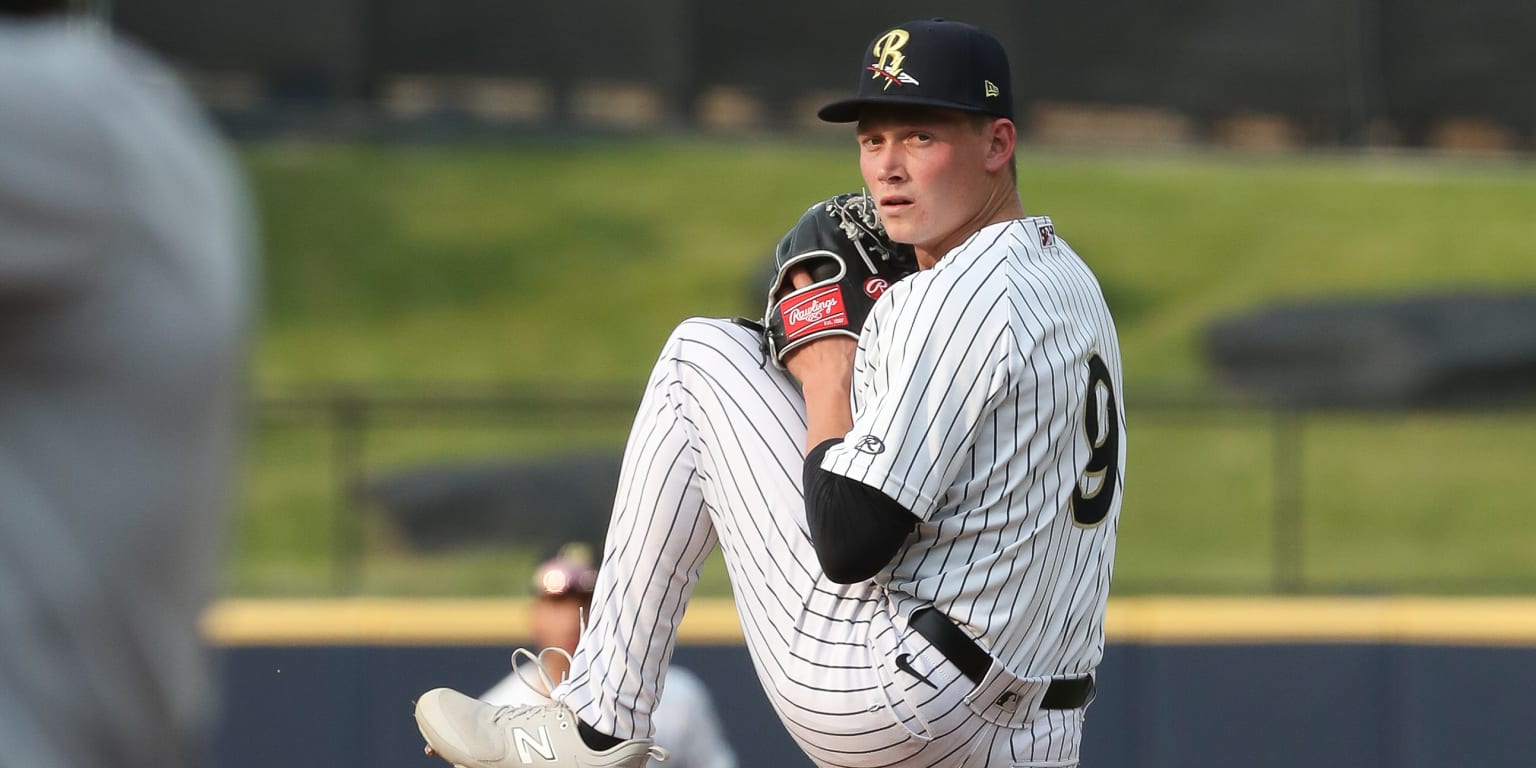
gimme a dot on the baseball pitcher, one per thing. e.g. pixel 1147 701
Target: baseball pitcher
pixel 917 502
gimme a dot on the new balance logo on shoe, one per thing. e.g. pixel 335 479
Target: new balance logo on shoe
pixel 469 733
pixel 525 742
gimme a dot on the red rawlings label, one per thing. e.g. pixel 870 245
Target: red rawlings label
pixel 815 311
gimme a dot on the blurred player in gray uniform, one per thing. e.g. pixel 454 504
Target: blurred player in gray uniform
pixel 562 587
pixel 122 314
pixel 920 536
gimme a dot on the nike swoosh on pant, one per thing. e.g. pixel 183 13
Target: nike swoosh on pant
pixel 904 663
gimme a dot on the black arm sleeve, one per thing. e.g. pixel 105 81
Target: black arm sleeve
pixel 855 529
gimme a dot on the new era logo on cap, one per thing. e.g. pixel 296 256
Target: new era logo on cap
pixel 931 63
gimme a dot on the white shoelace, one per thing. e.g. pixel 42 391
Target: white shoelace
pixel 544 684
pixel 523 712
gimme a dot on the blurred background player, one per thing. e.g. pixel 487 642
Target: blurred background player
pixel 122 320
pixel 562 590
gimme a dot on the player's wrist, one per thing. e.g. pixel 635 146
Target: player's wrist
pixel 827 413
pixel 823 362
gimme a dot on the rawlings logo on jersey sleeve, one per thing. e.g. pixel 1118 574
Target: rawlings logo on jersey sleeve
pixel 815 311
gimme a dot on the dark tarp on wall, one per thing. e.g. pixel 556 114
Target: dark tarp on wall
pixel 1425 351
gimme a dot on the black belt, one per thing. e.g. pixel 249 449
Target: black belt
pixel 963 652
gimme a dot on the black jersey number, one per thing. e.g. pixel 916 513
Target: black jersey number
pixel 1095 490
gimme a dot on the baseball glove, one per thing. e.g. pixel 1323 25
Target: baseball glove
pixel 842 245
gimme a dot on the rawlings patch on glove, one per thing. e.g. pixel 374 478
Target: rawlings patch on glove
pixel 843 247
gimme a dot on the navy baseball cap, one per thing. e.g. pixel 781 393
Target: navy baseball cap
pixel 931 63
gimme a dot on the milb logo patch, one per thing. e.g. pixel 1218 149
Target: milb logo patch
pixel 816 311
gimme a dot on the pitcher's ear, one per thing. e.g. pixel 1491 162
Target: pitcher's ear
pixel 1003 138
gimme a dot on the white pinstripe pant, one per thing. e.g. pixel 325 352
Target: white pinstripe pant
pixel 715 456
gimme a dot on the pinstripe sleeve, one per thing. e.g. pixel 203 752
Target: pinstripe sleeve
pixel 932 363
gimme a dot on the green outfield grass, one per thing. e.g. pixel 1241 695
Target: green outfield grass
pixel 557 262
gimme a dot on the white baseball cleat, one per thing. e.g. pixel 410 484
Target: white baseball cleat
pixel 470 733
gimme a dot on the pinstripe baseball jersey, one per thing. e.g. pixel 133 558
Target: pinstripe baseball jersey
pixel 985 401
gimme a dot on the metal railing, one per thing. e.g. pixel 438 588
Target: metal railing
pixel 356 419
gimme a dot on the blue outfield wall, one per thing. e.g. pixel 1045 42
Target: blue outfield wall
pixel 1397 703
pixel 350 706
